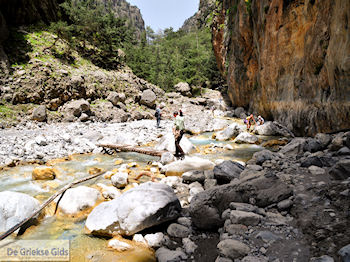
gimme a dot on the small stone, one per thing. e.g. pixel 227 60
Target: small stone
pixel 154 240
pixel 119 245
pixel 284 204
pixel 120 179
pixel 232 248
pixel 189 245
pixel 177 230
pixel 245 218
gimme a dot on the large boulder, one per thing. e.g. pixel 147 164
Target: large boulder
pixel 39 114
pixel 264 190
pixel 141 207
pixel 245 138
pixel 15 207
pixel 116 98
pixel 188 164
pixel 294 147
pixel 227 171
pixel 167 143
pixel 203 121
pixel 148 98
pixel 76 108
pixel 272 129
pixel 183 88
pixel 341 170
pixel 78 199
pixel 231 131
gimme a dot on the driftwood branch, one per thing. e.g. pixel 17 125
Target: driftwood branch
pixel 124 148
pixel 48 201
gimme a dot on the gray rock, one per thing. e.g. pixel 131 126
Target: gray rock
pixel 323 258
pixel 223 259
pixel 115 98
pixel 337 143
pixel 193 176
pixel 285 204
pixel 183 88
pixel 347 139
pixel 120 179
pixel 227 171
pixel 76 107
pixel 344 253
pixel 317 161
pixel 255 259
pixel 189 245
pixel 141 207
pixel 229 132
pixel 166 255
pixel 148 98
pixel 315 170
pixel 261 156
pixel 344 151
pixel 242 207
pixel 266 189
pixel 341 170
pixel 177 230
pixel 232 248
pixel 245 218
pixel 323 139
pixel 167 158
pixel 236 229
pixel 312 145
pixel 245 138
pixel 83 117
pixel 267 236
pixel 209 183
pixel 185 221
pixel 239 111
pixel 294 147
pixel 39 114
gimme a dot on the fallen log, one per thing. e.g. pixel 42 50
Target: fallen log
pixel 125 148
pixel 48 201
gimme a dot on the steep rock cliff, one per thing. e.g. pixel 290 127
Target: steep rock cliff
pixel 132 14
pixel 199 19
pixel 287 60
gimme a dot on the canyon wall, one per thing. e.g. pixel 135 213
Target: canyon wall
pixel 287 60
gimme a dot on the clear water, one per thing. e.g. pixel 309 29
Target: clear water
pixel 86 247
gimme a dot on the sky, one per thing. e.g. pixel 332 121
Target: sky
pixel 161 14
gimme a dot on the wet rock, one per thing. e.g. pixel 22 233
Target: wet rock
pixel 232 248
pixel 138 208
pixel 148 98
pixel 231 131
pixel 177 230
pixel 227 171
pixel 43 173
pixel 245 138
pixel 267 236
pixel 39 114
pixel 78 199
pixel 341 170
pixel 120 179
pixel 166 255
pixel 183 88
pixel 245 218
pixel 193 176
pixel 344 253
pixel 15 207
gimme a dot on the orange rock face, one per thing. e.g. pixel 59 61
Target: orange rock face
pixel 287 60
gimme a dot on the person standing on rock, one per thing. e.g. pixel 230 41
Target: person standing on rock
pixel 178 131
pixel 249 121
pixel 261 120
pixel 158 115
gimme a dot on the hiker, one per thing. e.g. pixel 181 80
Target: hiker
pixel 178 131
pixel 261 120
pixel 158 114
pixel 249 121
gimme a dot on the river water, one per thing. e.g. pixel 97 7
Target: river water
pixel 85 247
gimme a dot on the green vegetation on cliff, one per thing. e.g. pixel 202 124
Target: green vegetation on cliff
pixel 169 57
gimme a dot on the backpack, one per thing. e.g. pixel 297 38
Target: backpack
pixel 156 114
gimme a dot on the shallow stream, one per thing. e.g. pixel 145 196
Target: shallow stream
pixel 85 247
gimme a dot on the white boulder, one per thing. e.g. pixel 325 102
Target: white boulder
pixel 14 208
pixel 167 143
pixel 141 207
pixel 229 132
pixel 78 199
pixel 120 179
pixel 245 138
pixel 188 164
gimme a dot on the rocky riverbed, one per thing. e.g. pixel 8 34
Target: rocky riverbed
pixel 287 203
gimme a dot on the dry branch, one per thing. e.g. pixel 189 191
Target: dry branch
pixel 124 148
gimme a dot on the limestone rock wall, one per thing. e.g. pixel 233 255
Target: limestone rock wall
pixel 287 60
